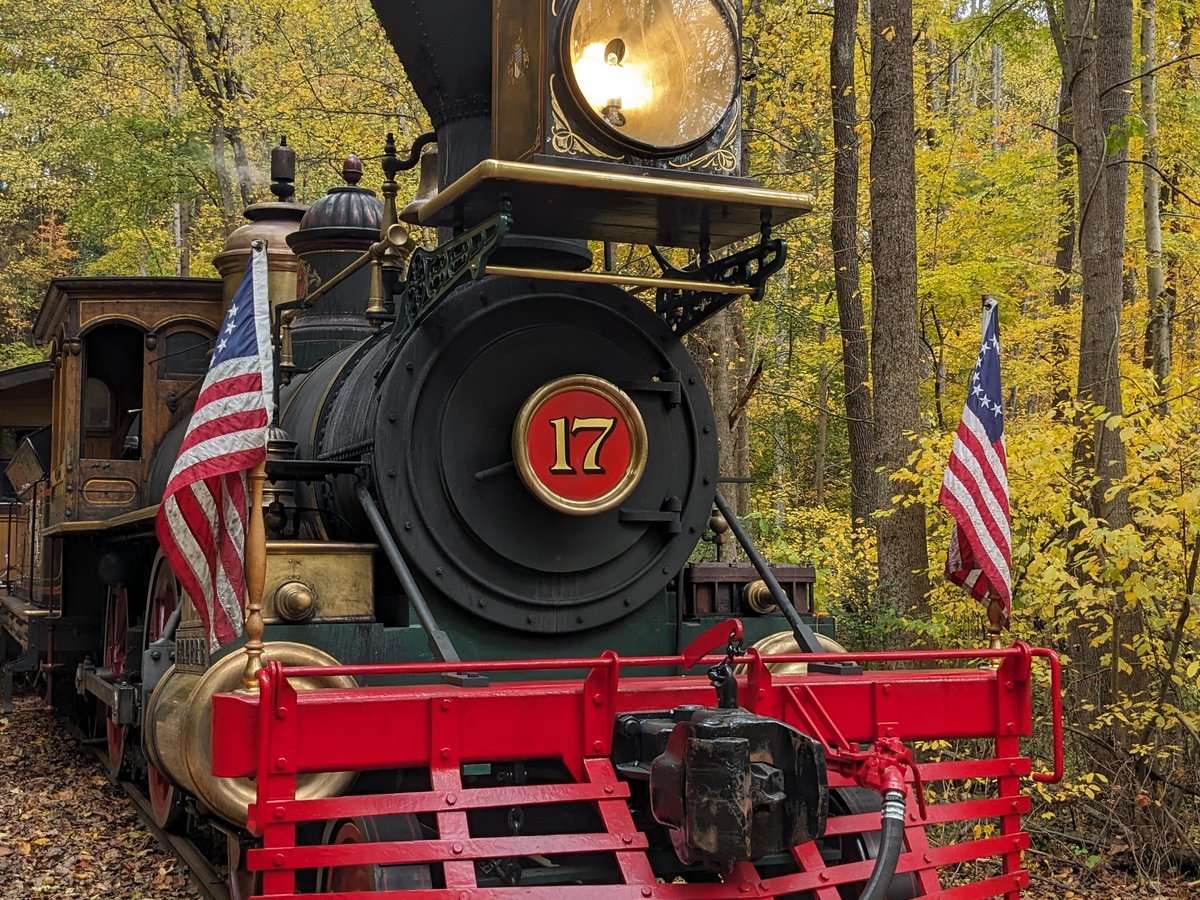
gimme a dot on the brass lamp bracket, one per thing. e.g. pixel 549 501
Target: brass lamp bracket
pixel 634 281
pixel 683 308
pixel 432 274
pixel 685 297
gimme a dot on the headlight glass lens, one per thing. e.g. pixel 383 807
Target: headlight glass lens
pixel 660 73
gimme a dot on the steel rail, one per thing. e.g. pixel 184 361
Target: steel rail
pixel 203 874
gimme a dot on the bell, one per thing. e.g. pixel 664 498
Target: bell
pixel 426 190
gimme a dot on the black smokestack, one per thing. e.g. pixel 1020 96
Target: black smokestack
pixel 445 47
pixel 446 51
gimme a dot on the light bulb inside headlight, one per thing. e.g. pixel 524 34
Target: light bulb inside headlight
pixel 660 73
pixel 611 83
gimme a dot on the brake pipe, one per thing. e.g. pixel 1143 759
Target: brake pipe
pixel 891 840
pixel 882 769
pixel 805 639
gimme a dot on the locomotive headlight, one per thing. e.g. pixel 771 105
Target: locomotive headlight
pixel 659 74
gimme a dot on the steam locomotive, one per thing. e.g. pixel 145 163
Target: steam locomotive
pixel 490 465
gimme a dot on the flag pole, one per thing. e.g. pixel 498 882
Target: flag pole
pixel 256 551
pixel 995 607
pixel 256 576
pixel 995 614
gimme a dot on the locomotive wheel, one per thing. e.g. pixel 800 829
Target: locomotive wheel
pixel 375 877
pixel 242 883
pixel 161 600
pixel 116 630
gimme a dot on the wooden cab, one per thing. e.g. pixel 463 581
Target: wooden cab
pixel 24 413
pixel 129 355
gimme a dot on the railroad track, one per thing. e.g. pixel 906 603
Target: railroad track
pixel 201 872
pixel 204 875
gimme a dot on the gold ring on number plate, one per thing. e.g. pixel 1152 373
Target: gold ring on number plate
pixel 624 407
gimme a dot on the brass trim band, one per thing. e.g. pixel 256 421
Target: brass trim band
pixel 613 278
pixel 532 173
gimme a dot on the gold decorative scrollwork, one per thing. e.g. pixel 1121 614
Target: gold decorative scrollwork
pixel 563 139
pixel 724 158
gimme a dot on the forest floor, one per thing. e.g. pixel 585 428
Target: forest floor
pixel 66 832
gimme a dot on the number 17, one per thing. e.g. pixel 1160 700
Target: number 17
pixel 562 444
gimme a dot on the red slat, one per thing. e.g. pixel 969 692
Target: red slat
pixel 452 826
pixel 978 890
pixel 634 865
pixel 808 859
pixel 441 850
pixel 440 801
pixel 937 814
pixel 989 887
pixel 909 862
pixel 959 769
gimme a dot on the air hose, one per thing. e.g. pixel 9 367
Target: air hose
pixel 891 838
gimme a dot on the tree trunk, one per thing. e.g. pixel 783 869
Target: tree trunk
pixel 1177 288
pixel 739 429
pixel 1099 359
pixel 997 65
pixel 1100 448
pixel 183 225
pixel 716 347
pixel 822 421
pixel 216 136
pixel 896 347
pixel 1157 303
pixel 784 461
pixel 844 234
pixel 1064 250
pixel 1114 66
pixel 183 203
pixel 241 162
pixel 779 428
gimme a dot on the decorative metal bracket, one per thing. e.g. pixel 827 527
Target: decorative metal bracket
pixel 432 274
pixel 683 310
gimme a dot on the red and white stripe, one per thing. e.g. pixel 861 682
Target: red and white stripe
pixel 975 486
pixel 975 491
pixel 203 516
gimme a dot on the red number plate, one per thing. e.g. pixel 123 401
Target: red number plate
pixel 580 444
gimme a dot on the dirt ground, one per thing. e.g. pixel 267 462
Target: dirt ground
pixel 65 832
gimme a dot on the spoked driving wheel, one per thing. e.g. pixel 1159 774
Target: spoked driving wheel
pixel 116 631
pixel 241 882
pixel 161 601
pixel 374 877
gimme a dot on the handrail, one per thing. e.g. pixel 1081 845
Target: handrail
pixel 1056 715
pixel 1018 650
pixel 542 665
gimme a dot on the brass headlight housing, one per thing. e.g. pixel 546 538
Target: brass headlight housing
pixel 655 74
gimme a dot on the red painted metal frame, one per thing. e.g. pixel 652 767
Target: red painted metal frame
pixel 279 734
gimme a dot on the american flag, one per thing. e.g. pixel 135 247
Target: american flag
pixel 202 520
pixel 975 488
